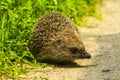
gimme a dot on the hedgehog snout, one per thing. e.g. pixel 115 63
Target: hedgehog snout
pixel 88 55
pixel 84 55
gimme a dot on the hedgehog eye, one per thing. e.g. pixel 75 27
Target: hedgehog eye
pixel 74 50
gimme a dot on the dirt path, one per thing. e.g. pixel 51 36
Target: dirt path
pixel 102 42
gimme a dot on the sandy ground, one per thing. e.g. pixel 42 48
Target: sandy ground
pixel 102 41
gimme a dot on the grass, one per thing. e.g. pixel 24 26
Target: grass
pixel 17 19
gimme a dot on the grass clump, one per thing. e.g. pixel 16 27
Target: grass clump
pixel 17 19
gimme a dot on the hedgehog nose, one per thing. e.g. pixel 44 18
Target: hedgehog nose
pixel 88 56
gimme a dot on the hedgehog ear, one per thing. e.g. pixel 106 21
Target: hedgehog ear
pixel 58 42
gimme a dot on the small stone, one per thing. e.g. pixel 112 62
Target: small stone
pixel 105 70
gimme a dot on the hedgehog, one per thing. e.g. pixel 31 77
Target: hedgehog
pixel 56 39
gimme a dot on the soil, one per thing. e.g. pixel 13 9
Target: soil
pixel 101 39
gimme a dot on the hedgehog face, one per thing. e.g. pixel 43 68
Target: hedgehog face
pixel 73 52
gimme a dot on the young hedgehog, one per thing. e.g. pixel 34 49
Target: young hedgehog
pixel 56 40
